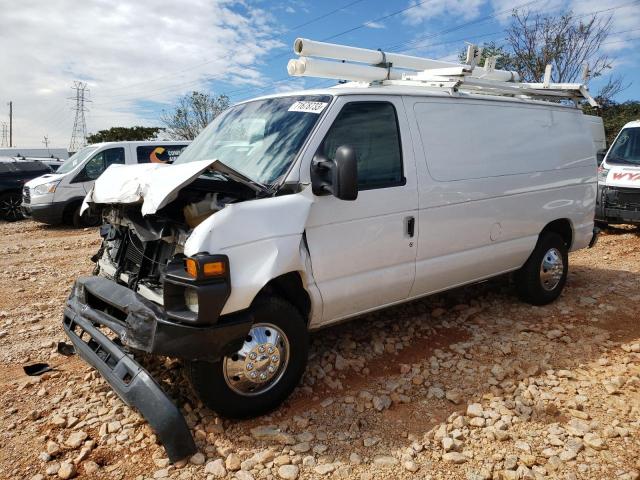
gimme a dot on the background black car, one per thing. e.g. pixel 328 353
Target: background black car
pixel 14 173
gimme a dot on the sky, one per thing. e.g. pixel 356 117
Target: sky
pixel 138 58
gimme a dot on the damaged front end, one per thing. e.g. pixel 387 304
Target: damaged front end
pixel 143 298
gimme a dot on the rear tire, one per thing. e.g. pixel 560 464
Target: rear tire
pixel 84 220
pixel 276 348
pixel 11 207
pixel 542 278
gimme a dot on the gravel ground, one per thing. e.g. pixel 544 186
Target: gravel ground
pixel 470 384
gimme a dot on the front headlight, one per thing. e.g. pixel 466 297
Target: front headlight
pixel 191 299
pixel 45 188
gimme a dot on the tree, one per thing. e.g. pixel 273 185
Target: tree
pixel 193 113
pixel 119 134
pixel 492 49
pixel 567 43
pixel 615 115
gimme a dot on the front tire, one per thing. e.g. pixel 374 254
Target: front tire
pixel 542 278
pixel 264 372
pixel 11 207
pixel 84 220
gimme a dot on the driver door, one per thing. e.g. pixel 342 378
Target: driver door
pixel 363 252
pixel 98 164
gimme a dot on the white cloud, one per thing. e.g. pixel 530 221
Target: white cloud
pixel 461 9
pixel 127 52
pixel 375 25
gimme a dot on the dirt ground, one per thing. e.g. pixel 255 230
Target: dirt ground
pixel 471 384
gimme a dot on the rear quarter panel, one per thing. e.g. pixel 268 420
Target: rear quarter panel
pixel 492 175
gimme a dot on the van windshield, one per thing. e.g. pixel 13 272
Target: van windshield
pixel 626 148
pixel 259 139
pixel 76 159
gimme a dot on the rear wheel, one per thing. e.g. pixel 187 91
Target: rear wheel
pixel 264 372
pixel 11 207
pixel 542 278
pixel 84 220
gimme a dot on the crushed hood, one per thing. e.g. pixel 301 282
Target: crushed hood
pixel 153 184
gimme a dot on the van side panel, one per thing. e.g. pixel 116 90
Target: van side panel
pixel 492 175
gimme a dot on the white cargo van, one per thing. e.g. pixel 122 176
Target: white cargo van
pixel 294 211
pixel 56 198
pixel 618 198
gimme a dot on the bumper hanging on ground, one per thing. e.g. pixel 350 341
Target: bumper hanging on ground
pixel 97 303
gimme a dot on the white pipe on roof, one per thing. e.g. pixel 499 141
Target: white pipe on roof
pixel 312 48
pixel 314 67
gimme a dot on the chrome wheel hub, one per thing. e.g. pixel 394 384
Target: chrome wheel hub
pixel 551 269
pixel 260 363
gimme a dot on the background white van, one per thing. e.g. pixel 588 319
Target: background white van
pixel 618 198
pixel 56 197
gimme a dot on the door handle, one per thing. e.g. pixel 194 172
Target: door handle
pixel 410 225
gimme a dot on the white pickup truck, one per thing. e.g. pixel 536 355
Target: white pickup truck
pixel 294 211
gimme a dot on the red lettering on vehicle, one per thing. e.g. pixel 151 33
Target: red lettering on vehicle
pixel 631 176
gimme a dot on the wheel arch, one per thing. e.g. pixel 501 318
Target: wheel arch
pixel 290 287
pixel 561 226
pixel 69 208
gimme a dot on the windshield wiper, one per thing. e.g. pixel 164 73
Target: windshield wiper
pixel 229 172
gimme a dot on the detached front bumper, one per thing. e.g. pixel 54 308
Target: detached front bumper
pixel 98 305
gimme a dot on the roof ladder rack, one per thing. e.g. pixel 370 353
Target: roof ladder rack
pixel 378 67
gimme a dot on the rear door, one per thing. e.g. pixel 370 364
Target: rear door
pixel 363 251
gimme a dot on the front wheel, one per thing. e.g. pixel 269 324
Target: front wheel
pixel 87 219
pixel 264 372
pixel 11 207
pixel 542 278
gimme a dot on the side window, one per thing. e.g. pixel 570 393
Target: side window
pixel 372 129
pixel 158 153
pixel 100 162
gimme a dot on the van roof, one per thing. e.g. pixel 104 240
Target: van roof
pixel 632 124
pixel 143 142
pixel 361 88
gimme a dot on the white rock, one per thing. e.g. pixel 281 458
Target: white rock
pixel 385 460
pixel 475 410
pixel 454 457
pixel 411 466
pixel 288 472
pixel 216 469
pixel 67 470
pixel 198 458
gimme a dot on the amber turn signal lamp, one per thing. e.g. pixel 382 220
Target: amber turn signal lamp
pixel 213 269
pixel 192 267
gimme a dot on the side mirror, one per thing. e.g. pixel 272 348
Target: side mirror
pixel 600 154
pixel 338 177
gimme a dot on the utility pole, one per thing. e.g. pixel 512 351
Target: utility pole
pixel 4 142
pixel 79 134
pixel 10 124
pixel 46 144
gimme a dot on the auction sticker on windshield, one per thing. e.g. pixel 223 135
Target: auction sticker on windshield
pixel 308 107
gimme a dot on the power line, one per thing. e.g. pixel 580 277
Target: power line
pixel 79 133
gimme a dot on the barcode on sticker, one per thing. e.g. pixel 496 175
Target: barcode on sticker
pixel 308 107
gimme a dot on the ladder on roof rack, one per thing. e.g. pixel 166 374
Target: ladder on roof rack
pixel 376 66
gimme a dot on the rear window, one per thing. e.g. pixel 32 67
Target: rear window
pixel 158 153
